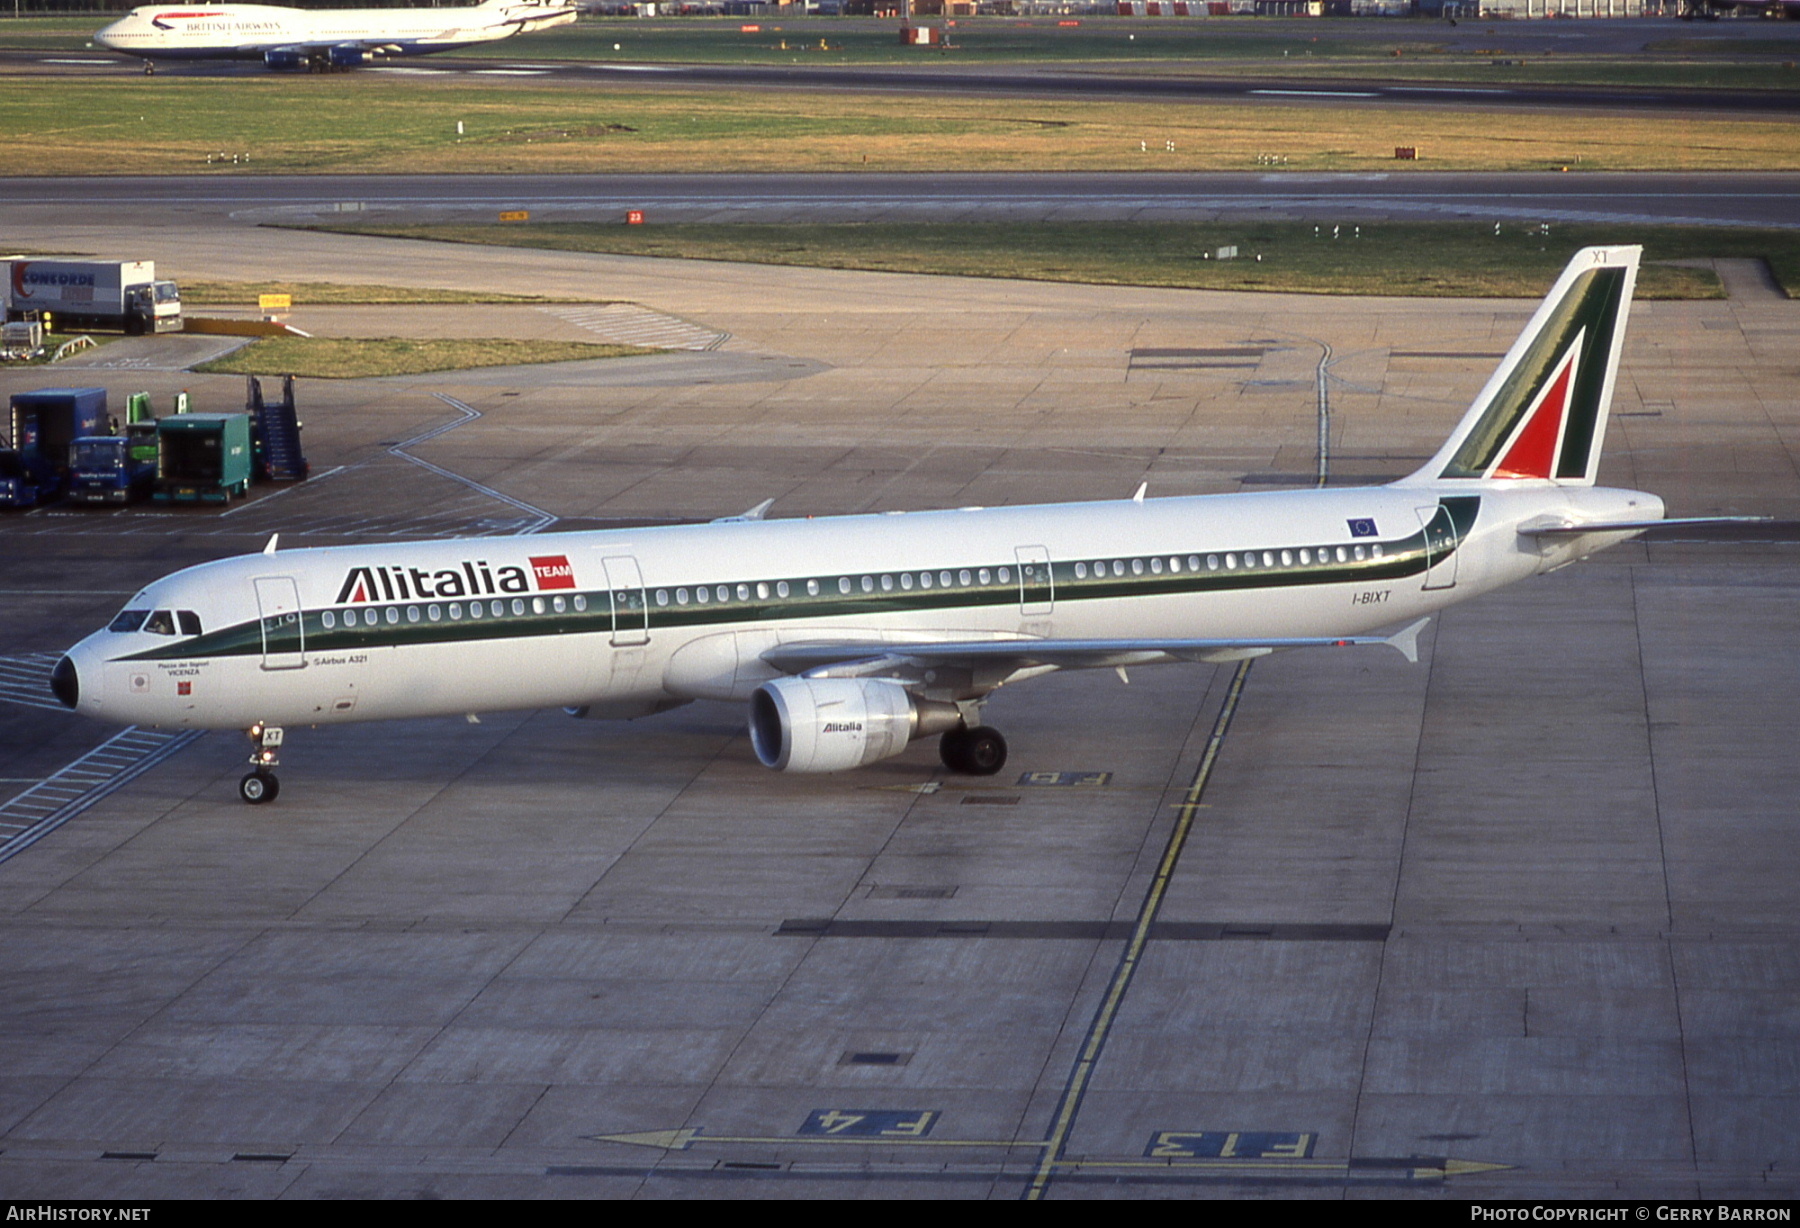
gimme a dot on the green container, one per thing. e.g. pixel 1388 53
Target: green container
pixel 202 458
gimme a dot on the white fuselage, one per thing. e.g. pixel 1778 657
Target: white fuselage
pixel 252 31
pixel 630 621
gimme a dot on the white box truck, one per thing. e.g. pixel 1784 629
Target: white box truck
pixel 121 295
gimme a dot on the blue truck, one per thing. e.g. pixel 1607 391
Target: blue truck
pixel 118 468
pixel 35 466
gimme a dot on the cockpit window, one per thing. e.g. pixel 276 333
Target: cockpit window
pixel 160 622
pixel 129 620
pixel 190 622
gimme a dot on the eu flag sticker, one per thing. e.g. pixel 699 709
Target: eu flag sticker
pixel 1362 527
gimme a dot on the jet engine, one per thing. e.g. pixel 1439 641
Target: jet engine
pixel 832 724
pixel 347 55
pixel 284 58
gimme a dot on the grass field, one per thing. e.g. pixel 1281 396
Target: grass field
pixel 1439 258
pixel 325 293
pixel 366 358
pixel 366 122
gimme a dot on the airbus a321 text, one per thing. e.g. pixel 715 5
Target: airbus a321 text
pixel 318 40
pixel 851 636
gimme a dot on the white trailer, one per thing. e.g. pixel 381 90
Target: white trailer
pixel 93 294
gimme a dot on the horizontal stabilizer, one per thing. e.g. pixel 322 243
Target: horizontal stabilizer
pixel 1571 528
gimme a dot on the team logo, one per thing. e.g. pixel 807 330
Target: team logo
pixel 553 571
pixel 472 579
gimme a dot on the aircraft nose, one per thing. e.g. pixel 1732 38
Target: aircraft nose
pixel 65 684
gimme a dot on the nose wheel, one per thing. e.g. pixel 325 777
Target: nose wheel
pixel 976 750
pixel 259 785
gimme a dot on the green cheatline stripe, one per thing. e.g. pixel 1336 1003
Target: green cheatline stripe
pixel 1083 1072
pixel 1400 559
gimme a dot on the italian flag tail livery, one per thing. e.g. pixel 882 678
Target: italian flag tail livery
pixel 1542 417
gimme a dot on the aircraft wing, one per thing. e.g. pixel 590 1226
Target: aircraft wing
pixel 1006 658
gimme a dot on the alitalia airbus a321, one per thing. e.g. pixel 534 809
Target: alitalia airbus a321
pixel 851 636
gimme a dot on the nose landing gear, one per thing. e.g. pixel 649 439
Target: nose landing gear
pixel 260 785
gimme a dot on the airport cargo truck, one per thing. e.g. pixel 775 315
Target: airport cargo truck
pixel 111 295
pixel 202 458
pixel 45 424
pixel 117 468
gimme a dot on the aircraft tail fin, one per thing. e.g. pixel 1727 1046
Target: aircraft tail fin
pixel 1543 413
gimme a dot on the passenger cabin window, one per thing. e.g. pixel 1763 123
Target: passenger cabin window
pixel 812 588
pixel 329 620
pixel 128 620
pixel 1081 571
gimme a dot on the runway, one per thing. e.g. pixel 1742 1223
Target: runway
pixel 1748 199
pixel 1137 82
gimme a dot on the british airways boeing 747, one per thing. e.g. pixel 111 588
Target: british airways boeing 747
pixel 318 39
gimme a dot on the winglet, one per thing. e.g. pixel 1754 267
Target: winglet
pixel 1406 640
pixel 753 514
pixel 1139 496
pixel 274 539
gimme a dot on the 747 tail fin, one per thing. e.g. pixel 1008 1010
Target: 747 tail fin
pixel 1542 416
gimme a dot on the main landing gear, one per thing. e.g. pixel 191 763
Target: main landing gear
pixel 259 785
pixel 974 750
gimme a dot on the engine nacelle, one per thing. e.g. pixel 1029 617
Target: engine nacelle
pixel 833 724
pixel 347 55
pixel 284 59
